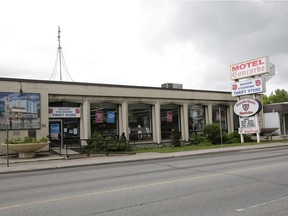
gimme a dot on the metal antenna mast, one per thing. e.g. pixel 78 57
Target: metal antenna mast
pixel 60 62
pixel 59 51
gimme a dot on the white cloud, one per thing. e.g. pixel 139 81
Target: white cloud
pixel 144 43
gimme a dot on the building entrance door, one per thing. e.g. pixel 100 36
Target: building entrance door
pixel 55 131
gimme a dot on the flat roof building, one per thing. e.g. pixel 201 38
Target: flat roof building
pixel 74 110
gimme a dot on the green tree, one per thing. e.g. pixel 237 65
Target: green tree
pixel 279 96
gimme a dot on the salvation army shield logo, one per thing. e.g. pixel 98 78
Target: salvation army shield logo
pixel 257 82
pixel 234 87
pixel 245 107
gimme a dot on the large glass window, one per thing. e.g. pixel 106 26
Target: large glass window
pixel 196 119
pixel 169 119
pixel 283 123
pixel 219 114
pixel 104 119
pixel 139 120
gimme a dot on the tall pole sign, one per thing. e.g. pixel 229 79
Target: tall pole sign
pixel 248 79
pixel 7 119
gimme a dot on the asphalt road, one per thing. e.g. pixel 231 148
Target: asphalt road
pixel 252 182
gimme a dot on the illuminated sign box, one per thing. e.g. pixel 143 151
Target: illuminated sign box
pixel 64 112
pixel 250 86
pixel 249 68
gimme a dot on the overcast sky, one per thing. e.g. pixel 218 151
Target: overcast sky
pixel 143 43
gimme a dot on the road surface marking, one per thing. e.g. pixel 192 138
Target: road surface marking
pixel 137 187
pixel 261 204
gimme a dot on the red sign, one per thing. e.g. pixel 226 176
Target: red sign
pixel 99 116
pixel 250 68
pixel 169 116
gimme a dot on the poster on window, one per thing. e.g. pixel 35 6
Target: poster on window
pixel 110 117
pixel 54 131
pixel 99 116
pixel 169 116
pixel 21 110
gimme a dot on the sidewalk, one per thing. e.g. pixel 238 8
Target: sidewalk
pixel 45 160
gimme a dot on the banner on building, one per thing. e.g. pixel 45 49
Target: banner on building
pixel 110 117
pixel 99 116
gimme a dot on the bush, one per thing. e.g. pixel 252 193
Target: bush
pixel 28 140
pixel 99 143
pixel 175 137
pixel 200 140
pixel 233 137
pixel 212 133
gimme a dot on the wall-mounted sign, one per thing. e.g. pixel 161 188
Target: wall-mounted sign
pixel 64 112
pixel 19 110
pixel 247 107
pixel 249 68
pixel 250 86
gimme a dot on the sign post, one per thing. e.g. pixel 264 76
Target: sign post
pixel 7 119
pixel 247 77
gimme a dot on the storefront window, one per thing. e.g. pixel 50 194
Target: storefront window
pixel 283 123
pixel 219 114
pixel 196 119
pixel 64 121
pixel 104 119
pixel 169 119
pixel 139 120
pixel 71 128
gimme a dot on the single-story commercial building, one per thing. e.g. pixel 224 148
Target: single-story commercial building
pixel 276 116
pixel 74 110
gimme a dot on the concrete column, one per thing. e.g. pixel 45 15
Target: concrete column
pixel 210 120
pixel 85 123
pixel 120 121
pixel 185 121
pixel 157 123
pixel 182 122
pixel 124 112
pixel 154 131
pixel 206 115
pixel 230 118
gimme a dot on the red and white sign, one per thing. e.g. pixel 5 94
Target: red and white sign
pixel 249 130
pixel 169 116
pixel 250 86
pixel 64 112
pixel 99 115
pixel 250 68
pixel 247 107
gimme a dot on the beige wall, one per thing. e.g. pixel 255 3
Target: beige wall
pixel 85 93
